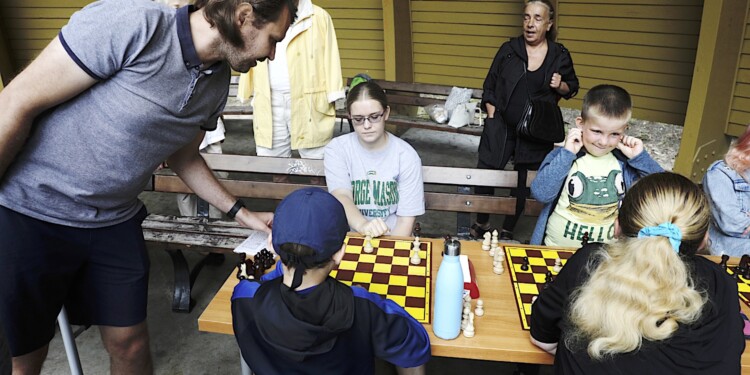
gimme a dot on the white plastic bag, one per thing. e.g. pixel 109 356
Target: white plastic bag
pixel 457 96
pixel 463 115
pixel 437 113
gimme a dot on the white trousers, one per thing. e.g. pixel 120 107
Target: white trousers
pixel 281 141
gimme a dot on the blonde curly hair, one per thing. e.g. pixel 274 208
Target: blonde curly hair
pixel 640 288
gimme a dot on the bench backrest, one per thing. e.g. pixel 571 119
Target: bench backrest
pixel 460 201
pixel 417 94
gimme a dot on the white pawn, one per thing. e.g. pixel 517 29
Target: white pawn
pixel 465 318
pixel 368 245
pixel 533 299
pixel 479 311
pixel 498 268
pixel 558 266
pixel 500 252
pixel 469 331
pixel 486 242
pixel 492 252
pixel 415 258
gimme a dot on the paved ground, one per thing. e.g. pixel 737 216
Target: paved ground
pixel 177 345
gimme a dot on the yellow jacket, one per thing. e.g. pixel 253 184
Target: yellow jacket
pixel 315 79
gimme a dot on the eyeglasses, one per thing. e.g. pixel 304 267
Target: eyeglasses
pixel 373 118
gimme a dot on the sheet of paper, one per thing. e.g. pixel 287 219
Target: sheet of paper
pixel 254 243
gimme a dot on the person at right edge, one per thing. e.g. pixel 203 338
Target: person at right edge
pixel 530 65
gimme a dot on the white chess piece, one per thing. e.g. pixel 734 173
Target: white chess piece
pixel 558 266
pixel 415 258
pixel 498 269
pixel 533 299
pixel 469 330
pixel 486 242
pixel 465 318
pixel 243 270
pixel 416 243
pixel 368 244
pixel 494 237
pixel 479 311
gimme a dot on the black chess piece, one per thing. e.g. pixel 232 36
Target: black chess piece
pixel 744 263
pixel 417 230
pixel 525 264
pixel 585 239
pixel 548 278
pixel 724 260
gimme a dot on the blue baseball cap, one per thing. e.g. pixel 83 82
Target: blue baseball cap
pixel 311 217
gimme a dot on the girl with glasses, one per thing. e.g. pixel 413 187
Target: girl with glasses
pixel 375 175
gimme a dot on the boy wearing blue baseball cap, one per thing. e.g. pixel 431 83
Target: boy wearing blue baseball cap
pixel 300 320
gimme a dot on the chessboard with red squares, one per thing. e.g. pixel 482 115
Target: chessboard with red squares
pixel 529 283
pixel 387 272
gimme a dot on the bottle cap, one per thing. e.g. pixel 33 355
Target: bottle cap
pixel 452 247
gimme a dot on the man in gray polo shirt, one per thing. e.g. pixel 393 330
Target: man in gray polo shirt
pixel 123 87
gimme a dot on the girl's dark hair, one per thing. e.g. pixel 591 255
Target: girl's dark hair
pixel 552 33
pixel 220 14
pixel 366 90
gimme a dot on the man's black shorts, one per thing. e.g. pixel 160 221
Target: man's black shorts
pixel 100 274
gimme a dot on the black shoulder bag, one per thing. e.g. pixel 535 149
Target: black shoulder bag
pixel 541 121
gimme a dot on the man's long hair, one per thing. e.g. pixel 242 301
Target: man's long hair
pixel 220 14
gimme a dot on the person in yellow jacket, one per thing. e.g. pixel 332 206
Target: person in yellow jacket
pixel 294 94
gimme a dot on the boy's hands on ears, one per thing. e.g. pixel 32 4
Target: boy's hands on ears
pixel 630 146
pixel 573 141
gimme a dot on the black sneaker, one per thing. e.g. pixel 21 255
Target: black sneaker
pixel 505 235
pixel 478 232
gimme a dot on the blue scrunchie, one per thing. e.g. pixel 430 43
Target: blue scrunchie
pixel 668 230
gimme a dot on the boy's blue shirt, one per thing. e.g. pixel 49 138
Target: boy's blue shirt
pixel 551 176
pixel 381 328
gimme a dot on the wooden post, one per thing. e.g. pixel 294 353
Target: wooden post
pixel 6 68
pixel 704 138
pixel 397 41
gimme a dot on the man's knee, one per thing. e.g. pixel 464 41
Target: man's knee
pixel 126 342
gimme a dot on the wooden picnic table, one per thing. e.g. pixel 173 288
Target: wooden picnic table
pixel 499 336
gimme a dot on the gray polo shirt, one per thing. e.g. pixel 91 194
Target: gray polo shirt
pixel 87 159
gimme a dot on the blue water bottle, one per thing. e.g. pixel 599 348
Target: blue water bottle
pixel 449 289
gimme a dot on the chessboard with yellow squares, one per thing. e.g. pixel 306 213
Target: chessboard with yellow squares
pixel 387 271
pixel 532 267
pixel 529 280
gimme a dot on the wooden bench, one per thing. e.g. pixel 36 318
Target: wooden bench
pixel 408 97
pixel 401 97
pixel 446 189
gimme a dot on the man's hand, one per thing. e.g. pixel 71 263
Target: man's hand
pixel 262 221
pixel 630 146
pixel 375 228
pixel 573 141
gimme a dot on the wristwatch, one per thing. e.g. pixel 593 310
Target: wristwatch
pixel 236 208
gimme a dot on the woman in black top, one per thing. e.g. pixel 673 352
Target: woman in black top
pixel 532 64
pixel 646 304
